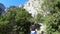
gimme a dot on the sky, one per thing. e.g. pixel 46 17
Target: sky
pixel 8 3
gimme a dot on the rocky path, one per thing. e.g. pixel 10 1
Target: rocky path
pixel 42 28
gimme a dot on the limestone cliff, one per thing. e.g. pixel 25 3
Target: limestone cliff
pixel 34 7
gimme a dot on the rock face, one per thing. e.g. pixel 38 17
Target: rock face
pixel 20 6
pixel 34 6
pixel 2 8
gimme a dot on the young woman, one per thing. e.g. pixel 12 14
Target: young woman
pixel 33 29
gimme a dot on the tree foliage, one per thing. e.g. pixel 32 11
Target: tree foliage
pixel 53 19
pixel 16 21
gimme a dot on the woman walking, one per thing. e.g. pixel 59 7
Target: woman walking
pixel 33 29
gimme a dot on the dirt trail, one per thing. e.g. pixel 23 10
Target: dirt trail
pixel 42 28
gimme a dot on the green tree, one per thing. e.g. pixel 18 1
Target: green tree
pixel 16 21
pixel 53 19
